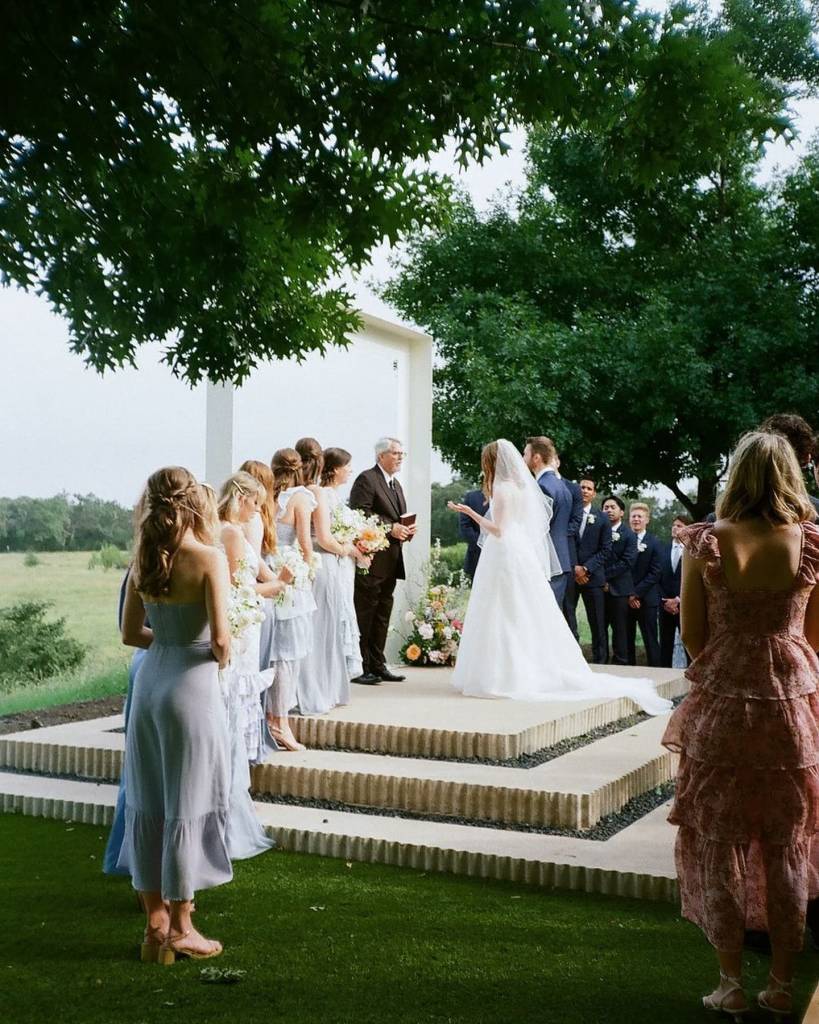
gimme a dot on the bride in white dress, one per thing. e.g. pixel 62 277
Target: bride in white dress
pixel 515 641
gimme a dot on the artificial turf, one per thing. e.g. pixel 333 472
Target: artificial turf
pixel 326 941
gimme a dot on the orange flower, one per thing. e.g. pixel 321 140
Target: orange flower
pixel 413 652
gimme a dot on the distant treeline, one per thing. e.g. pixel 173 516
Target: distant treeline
pixel 66 522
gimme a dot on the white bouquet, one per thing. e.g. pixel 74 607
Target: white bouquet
pixel 245 605
pixel 346 523
pixel 290 557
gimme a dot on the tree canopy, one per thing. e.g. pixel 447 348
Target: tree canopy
pixel 643 325
pixel 201 172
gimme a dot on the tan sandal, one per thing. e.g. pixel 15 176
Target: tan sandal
pixel 152 942
pixel 170 950
pixel 717 999
pixel 777 988
pixel 283 741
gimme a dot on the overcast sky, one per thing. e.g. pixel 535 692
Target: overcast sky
pixel 65 428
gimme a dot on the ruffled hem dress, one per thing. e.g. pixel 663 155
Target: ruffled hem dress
pixel 177 761
pixel 747 799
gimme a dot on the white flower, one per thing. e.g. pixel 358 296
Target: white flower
pixel 426 631
pixel 642 546
pixel 409 616
pixel 245 606
pixel 292 558
pixel 437 657
pixel 447 632
pixel 590 519
pixel 615 536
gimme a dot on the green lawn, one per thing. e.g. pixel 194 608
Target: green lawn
pixel 88 600
pixel 327 941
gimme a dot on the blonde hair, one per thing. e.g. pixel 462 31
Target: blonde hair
pixel 234 488
pixel 166 514
pixel 206 514
pixel 489 462
pixel 261 472
pixel 639 506
pixel 765 482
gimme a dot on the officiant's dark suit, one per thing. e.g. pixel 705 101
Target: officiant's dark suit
pixel 646 575
pixel 470 531
pixel 555 488
pixel 619 565
pixel 374 591
pixel 593 547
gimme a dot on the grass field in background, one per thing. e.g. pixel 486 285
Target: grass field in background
pixel 87 599
pixel 341 942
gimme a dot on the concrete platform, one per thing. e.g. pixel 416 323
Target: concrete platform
pixel 638 862
pixel 422 719
pixel 425 717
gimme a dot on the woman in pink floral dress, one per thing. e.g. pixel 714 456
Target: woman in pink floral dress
pixel 747 801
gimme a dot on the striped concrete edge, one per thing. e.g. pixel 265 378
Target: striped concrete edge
pixel 394 738
pixel 454 798
pixel 93 804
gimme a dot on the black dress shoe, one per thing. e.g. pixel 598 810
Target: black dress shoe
pixel 390 677
pixel 368 679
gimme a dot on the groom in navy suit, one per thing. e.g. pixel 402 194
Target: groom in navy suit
pixel 540 456
pixel 593 549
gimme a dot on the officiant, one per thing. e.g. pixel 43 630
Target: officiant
pixel 378 491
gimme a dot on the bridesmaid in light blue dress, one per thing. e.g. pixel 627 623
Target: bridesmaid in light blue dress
pixel 293 630
pixel 260 531
pixel 177 748
pixel 324 680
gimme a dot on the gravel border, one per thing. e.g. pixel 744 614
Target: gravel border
pixel 609 826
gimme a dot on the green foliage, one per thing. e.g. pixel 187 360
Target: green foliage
pixel 109 557
pixel 444 524
pixel 447 566
pixel 31 560
pixel 32 648
pixel 78 522
pixel 643 326
pixel 200 174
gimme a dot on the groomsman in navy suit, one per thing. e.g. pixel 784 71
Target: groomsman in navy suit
pixel 644 602
pixel 619 582
pixel 540 456
pixel 593 548
pixel 470 531
pixel 670 584
pixel 575 519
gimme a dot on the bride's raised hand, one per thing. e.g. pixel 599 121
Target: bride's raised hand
pixel 455 506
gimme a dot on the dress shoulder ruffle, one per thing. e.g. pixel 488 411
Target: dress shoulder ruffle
pixel 699 541
pixel 286 496
pixel 809 569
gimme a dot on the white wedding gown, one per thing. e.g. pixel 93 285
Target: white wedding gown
pixel 516 642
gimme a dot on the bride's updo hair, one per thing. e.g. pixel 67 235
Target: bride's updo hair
pixel 286 466
pixel 312 460
pixel 334 458
pixel 489 462
pixel 206 515
pixel 259 471
pixel 765 481
pixel 234 488
pixel 168 512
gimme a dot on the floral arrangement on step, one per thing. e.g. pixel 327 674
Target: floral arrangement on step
pixel 435 629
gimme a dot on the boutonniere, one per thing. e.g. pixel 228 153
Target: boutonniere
pixel 642 546
pixel 589 519
pixel 615 537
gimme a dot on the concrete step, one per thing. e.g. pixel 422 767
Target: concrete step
pixel 572 791
pixel 637 862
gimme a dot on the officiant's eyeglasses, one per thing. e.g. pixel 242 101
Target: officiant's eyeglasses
pixel 398 455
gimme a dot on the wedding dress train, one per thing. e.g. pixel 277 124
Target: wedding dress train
pixel 516 642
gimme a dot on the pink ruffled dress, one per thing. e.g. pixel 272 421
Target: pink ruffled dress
pixel 747 801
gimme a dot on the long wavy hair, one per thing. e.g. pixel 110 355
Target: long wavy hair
pixel 286 467
pixel 168 512
pixel 206 514
pixel 312 460
pixel 765 481
pixel 267 508
pixel 489 462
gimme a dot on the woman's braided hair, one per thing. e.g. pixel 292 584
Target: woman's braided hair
pixel 168 510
